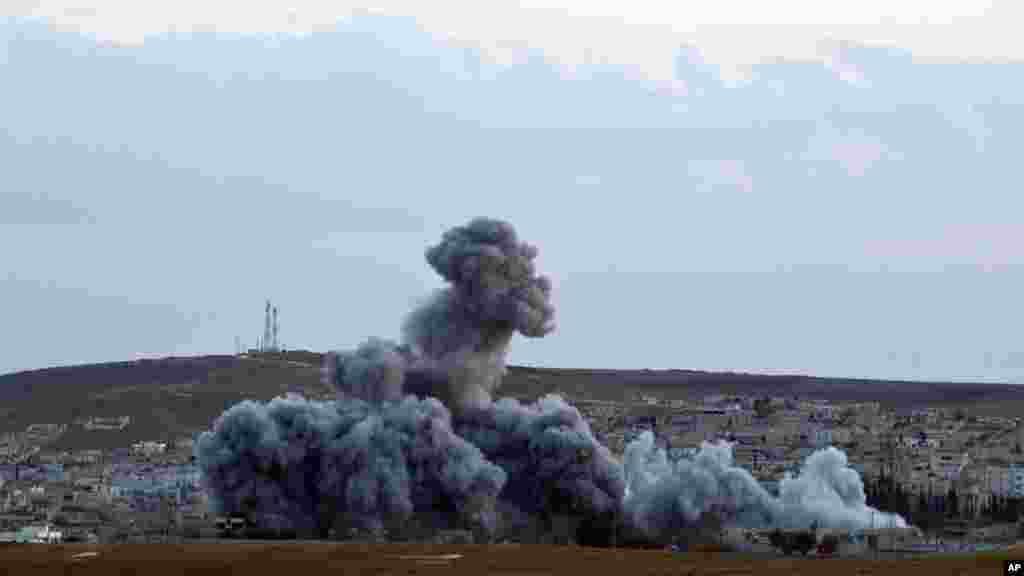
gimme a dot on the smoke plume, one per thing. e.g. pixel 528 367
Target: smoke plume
pixel 415 434
pixel 663 496
pixel 316 462
pixel 555 466
pixel 374 372
pixel 494 292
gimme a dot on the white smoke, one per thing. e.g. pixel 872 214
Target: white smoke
pixel 828 491
pixel 663 496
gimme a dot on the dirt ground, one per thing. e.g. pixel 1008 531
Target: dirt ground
pixel 308 559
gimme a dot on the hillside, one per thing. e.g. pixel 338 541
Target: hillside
pixel 171 397
pixel 165 398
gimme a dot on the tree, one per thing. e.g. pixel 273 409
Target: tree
pixel 1014 510
pixel 921 518
pixel 829 544
pixel 763 407
pixel 805 542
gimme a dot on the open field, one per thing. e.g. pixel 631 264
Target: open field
pixel 501 560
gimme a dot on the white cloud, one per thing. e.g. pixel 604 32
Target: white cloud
pixel 638 33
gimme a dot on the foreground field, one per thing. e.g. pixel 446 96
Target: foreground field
pixel 307 559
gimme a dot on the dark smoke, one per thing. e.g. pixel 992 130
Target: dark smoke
pixel 414 433
pixel 494 292
pixel 555 466
pixel 315 462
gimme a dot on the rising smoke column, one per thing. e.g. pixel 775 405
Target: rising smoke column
pixel 464 330
pixel 663 497
pixel 387 450
pixel 315 462
pixel 380 370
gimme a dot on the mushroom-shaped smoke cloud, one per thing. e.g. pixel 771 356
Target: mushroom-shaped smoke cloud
pixel 494 292
pixel 414 432
pixel 455 344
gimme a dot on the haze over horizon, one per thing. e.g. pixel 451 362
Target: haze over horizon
pixel 843 207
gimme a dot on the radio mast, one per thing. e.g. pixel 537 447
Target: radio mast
pixel 268 341
pixel 277 343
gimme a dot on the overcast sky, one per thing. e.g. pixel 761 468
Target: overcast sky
pixel 796 190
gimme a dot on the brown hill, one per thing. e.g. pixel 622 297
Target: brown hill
pixel 165 398
pixel 172 397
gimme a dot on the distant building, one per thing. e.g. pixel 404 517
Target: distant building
pixel 1016 481
pixel 949 463
pixel 682 423
pixel 822 437
pixel 116 423
pixel 54 472
pixel 997 479
pixel 39 535
pixel 87 456
pixel 149 448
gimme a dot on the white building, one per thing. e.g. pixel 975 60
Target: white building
pixel 116 423
pixel 149 448
pixel 822 437
pixel 39 535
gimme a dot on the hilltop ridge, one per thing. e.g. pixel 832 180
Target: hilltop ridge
pixel 170 397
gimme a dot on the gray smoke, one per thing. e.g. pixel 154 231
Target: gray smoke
pixel 553 462
pixel 494 292
pixel 414 432
pixel 316 462
pixel 663 496
pixel 374 372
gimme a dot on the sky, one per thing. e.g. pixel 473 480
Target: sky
pixel 805 189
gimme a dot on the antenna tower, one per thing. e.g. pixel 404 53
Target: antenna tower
pixel 277 343
pixel 267 330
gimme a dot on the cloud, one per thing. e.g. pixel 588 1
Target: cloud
pixel 989 246
pixel 372 136
pixel 638 34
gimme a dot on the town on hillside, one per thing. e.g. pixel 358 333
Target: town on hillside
pixel 958 477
